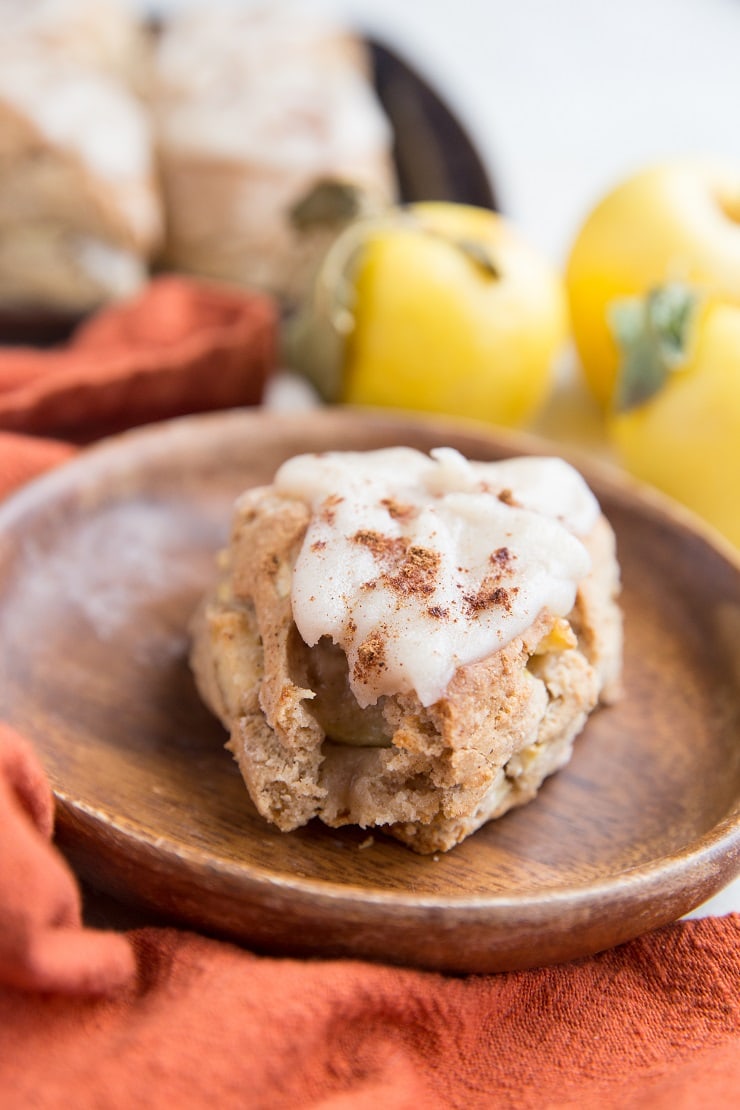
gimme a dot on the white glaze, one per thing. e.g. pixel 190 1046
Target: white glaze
pixel 353 581
pixel 280 88
pixel 89 116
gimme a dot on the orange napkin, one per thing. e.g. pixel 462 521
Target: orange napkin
pixel 41 943
pixel 156 1017
pixel 182 346
pixel 159 1017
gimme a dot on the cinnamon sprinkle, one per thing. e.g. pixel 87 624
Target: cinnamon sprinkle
pixel 507 497
pixel 501 557
pixel 370 657
pixel 381 546
pixel 328 507
pixel 417 574
pixel 488 596
pixel 438 612
pixel 397 509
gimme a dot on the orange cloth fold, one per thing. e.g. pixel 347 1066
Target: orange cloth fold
pixel 162 1017
pixel 42 943
pixel 181 346
pixel 155 1017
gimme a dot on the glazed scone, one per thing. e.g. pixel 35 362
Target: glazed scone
pixel 268 129
pixel 80 212
pixel 409 642
pixel 105 35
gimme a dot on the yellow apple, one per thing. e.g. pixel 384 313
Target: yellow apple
pixel 674 222
pixel 441 308
pixel 676 417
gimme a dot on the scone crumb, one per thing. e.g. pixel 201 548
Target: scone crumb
pixel 367 843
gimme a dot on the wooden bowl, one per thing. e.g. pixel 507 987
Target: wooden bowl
pixel 102 563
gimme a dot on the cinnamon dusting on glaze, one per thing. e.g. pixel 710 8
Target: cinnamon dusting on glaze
pixel 370 657
pixel 418 573
pixel 438 560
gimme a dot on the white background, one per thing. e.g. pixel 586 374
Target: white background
pixel 563 99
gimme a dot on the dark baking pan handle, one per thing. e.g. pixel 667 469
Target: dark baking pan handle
pixel 434 156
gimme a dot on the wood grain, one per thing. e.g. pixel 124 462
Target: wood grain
pixel 102 563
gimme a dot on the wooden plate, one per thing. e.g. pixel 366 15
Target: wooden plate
pixel 101 564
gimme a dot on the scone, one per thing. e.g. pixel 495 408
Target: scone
pixel 409 642
pixel 80 213
pixel 104 35
pixel 270 138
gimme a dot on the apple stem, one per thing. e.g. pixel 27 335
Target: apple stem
pixel 652 332
pixel 480 256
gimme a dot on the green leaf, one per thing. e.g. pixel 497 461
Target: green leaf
pixel 328 204
pixel 653 334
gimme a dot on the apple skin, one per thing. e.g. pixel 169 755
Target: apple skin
pixel 674 222
pixel 435 331
pixel 685 439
